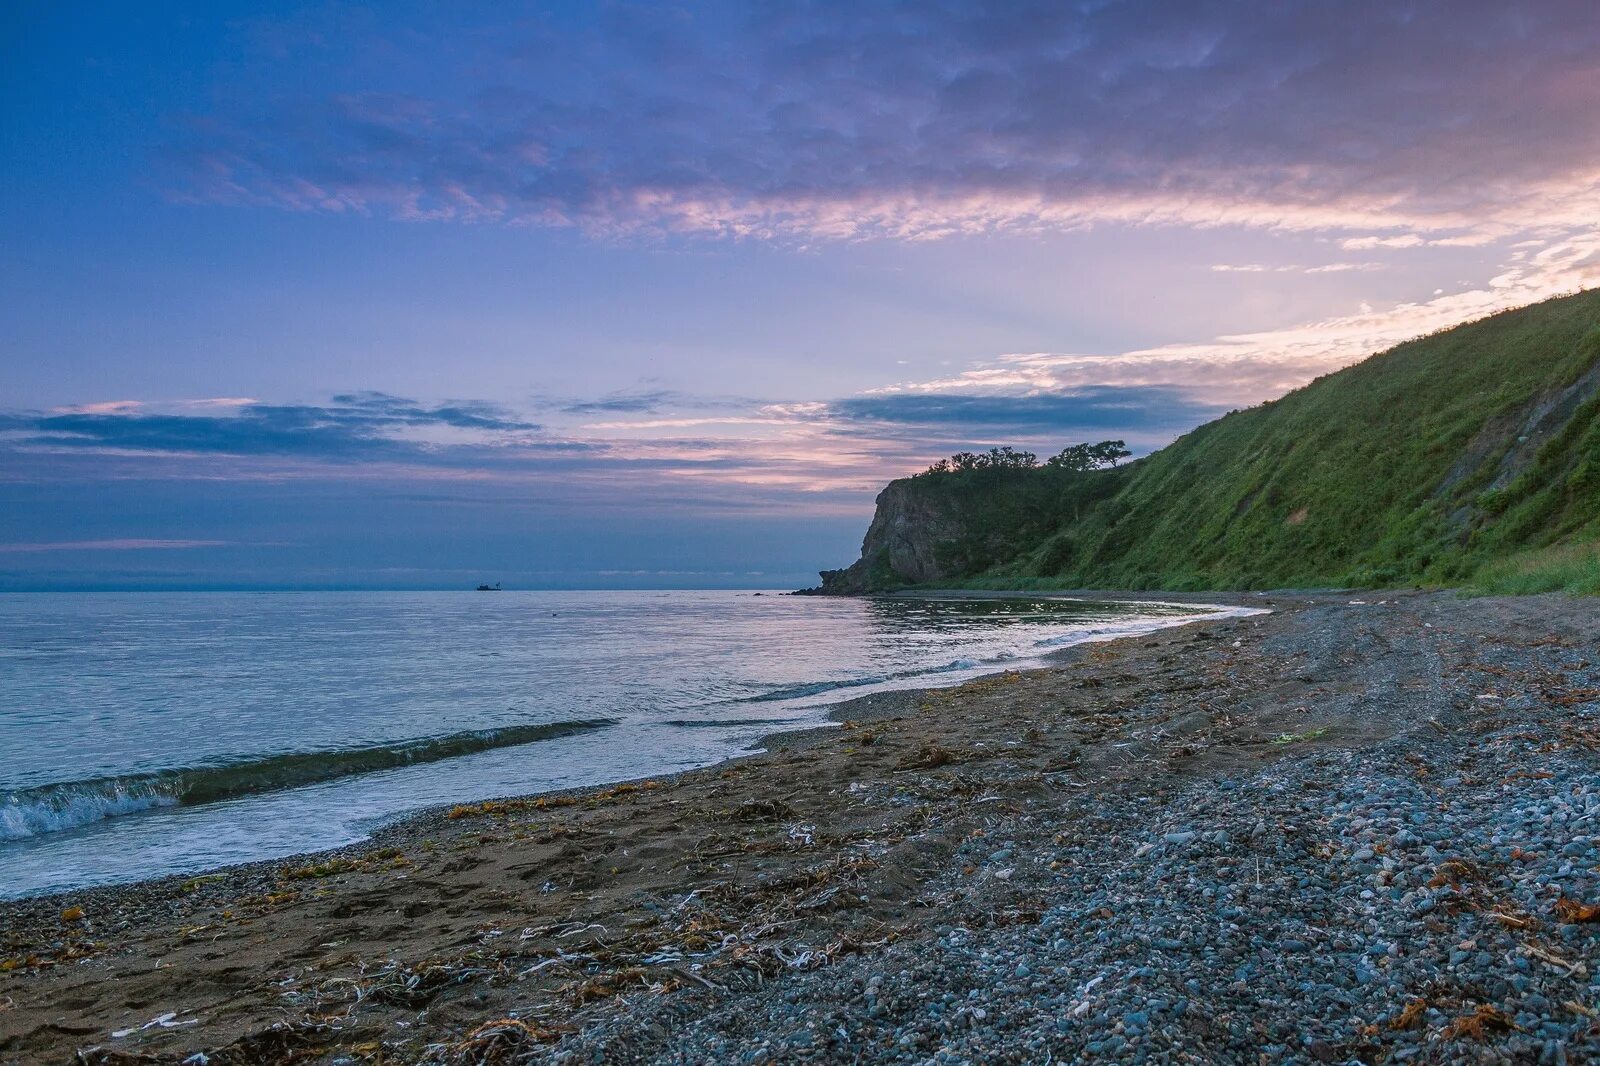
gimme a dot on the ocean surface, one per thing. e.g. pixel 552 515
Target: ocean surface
pixel 144 734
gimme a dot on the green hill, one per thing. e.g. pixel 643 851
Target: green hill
pixel 1469 455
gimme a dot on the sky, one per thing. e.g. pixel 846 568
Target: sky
pixel 659 295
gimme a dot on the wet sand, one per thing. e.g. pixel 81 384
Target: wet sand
pixel 501 928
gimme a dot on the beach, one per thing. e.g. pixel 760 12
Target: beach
pixel 216 729
pixel 1361 827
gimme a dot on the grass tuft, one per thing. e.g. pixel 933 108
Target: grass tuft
pixel 1570 568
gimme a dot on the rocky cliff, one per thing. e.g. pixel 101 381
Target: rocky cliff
pixel 902 545
pixel 954 526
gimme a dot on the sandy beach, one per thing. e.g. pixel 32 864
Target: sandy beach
pixel 723 914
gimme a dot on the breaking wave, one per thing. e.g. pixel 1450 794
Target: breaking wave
pixel 32 812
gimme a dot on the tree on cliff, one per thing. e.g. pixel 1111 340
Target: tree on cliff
pixel 1080 458
pixel 1109 452
pixel 1009 458
pixel 1005 458
pixel 1077 458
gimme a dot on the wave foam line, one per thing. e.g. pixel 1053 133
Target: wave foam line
pixel 50 808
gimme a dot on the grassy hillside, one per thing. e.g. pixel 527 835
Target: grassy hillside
pixel 1405 467
pixel 1474 452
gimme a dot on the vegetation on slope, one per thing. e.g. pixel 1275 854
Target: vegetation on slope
pixel 975 511
pixel 1418 465
pixel 1473 450
pixel 1005 502
pixel 1569 568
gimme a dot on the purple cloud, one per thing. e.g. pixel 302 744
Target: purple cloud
pixel 916 120
pixel 718 456
pixel 354 426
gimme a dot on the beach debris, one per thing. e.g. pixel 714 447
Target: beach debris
pixel 580 928
pixel 488 807
pixel 1572 968
pixel 566 958
pixel 614 983
pixel 627 788
pixel 803 958
pixel 928 757
pixel 1454 873
pixel 1479 1024
pixel 1570 911
pixel 400 985
pixel 1299 738
pixel 1513 921
pixel 503 1040
pixel 320 869
pixel 280 1042
pixel 164 1021
pixel 195 883
pixel 72 914
pixel 762 810
pixel 1411 1016
pixel 381 858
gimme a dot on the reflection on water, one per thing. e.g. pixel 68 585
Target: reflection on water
pixel 102 694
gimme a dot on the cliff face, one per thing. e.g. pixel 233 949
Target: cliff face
pixel 1424 464
pixel 902 543
pixel 947 527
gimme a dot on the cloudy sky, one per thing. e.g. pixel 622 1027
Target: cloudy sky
pixel 589 294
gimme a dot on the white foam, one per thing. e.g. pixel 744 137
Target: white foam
pixel 49 810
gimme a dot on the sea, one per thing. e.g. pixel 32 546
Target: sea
pixel 149 734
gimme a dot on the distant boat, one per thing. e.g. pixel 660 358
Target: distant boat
pixel 490 588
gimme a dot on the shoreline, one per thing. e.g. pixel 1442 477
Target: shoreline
pixel 860 707
pixel 625 921
pixel 889 703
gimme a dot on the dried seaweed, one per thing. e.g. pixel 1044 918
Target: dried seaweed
pixel 928 757
pixel 1479 1024
pixel 763 810
pixel 1571 911
pixel 1410 1016
pixel 497 1042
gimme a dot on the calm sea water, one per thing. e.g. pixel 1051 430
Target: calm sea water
pixel 149 734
